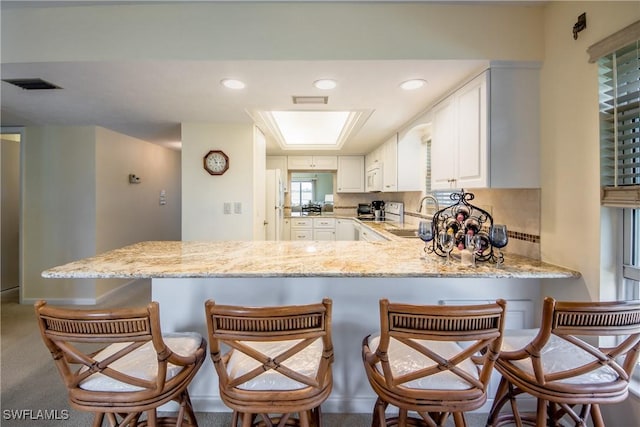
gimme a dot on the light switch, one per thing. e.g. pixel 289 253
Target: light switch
pixel 237 207
pixel 227 208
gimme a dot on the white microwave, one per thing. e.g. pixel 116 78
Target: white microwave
pixel 374 178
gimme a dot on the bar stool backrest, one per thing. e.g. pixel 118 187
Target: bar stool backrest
pixel 572 321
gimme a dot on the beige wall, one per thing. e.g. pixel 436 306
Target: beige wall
pixel 59 210
pixel 571 213
pixel 78 202
pixel 204 195
pixel 128 213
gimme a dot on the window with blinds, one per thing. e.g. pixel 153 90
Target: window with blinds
pixel 619 78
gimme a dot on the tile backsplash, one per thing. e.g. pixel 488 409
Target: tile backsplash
pixel 518 208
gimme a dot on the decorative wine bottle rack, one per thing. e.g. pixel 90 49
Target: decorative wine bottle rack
pixel 461 218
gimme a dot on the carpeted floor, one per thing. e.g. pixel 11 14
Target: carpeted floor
pixel 33 390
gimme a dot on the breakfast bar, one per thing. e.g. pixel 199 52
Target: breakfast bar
pixel 354 274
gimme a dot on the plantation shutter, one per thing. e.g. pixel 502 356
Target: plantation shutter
pixel 619 77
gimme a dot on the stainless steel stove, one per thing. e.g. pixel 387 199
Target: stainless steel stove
pixel 394 211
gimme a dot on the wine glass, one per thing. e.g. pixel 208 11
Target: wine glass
pixel 425 233
pixel 471 245
pixel 447 241
pixel 499 239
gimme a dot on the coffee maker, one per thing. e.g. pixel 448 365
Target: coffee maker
pixel 377 206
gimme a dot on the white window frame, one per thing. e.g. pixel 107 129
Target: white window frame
pixel 299 184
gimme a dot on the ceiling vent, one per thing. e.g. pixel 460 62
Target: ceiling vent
pixel 32 84
pixel 310 99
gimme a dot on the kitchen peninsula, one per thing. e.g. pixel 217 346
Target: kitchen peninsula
pixel 354 274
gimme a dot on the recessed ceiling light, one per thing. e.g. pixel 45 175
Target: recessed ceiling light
pixel 325 84
pixel 232 84
pixel 412 84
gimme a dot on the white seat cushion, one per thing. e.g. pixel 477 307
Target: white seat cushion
pixel 306 362
pixel 557 355
pixel 404 360
pixel 141 363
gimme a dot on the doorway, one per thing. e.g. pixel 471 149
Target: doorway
pixel 10 208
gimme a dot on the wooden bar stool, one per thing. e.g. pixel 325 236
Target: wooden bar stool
pixel 278 362
pixel 118 363
pixel 569 376
pixel 433 360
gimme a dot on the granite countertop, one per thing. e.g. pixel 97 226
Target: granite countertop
pixel 397 257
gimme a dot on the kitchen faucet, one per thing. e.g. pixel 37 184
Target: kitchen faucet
pixel 428 196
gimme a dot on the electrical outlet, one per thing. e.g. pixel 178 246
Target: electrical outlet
pixel 237 207
pixel 227 208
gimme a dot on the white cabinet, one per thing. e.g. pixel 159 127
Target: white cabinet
pixel 459 141
pixel 368 235
pixel 324 229
pixel 350 174
pixel 306 228
pixel 301 229
pixel 390 164
pixel 412 160
pixel 486 134
pixel 345 229
pixel 286 232
pixel 374 158
pixel 312 162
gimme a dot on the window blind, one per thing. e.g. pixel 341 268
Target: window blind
pixel 619 77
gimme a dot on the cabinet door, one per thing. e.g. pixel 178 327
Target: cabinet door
pixel 472 134
pixel 345 230
pixel 411 161
pixel 302 234
pixel 443 146
pixel 350 174
pixel 324 234
pixel 301 223
pixel 324 223
pixel 327 163
pixel 286 231
pixel 300 162
pixel 390 164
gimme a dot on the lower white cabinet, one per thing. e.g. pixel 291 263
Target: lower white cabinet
pixel 312 228
pixel 324 229
pixel 301 229
pixel 345 229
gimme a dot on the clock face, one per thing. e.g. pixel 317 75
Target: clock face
pixel 216 162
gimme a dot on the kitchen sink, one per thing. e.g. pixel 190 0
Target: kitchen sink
pixel 401 232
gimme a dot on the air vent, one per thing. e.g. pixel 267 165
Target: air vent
pixel 310 99
pixel 32 84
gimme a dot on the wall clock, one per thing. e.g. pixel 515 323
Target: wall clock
pixel 216 162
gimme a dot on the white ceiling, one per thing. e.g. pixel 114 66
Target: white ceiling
pixel 149 100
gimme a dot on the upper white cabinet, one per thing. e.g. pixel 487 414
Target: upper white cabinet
pixel 390 164
pixel 486 134
pixel 350 174
pixel 312 162
pixel 411 159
